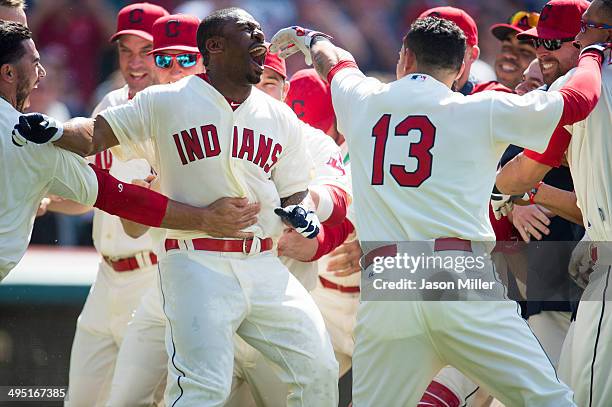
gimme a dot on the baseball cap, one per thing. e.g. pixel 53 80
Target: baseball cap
pixel 137 19
pixel 175 32
pixel 275 63
pixel 519 22
pixel 310 99
pixel 559 19
pixel 459 17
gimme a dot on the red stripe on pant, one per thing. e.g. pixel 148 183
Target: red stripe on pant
pixel 438 395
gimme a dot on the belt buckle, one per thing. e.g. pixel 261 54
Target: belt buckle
pixel 244 246
pixel 255 246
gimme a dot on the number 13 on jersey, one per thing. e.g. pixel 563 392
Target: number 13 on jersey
pixel 421 150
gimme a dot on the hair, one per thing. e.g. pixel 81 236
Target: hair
pixel 212 26
pixel 20 4
pixel 606 7
pixel 12 35
pixel 436 43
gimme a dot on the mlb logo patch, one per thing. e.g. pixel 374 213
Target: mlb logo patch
pixel 418 77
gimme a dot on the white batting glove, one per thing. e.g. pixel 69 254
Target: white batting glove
pixel 304 222
pixel 502 204
pixel 288 41
pixel 581 263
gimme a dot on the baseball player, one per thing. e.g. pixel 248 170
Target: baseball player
pixel 532 79
pixel 128 266
pixel 241 143
pixel 386 187
pixel 585 351
pixel 30 172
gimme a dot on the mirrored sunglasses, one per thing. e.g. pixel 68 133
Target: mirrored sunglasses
pixel 584 25
pixel 164 61
pixel 550 45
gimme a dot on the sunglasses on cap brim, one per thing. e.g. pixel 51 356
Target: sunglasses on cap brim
pixel 165 61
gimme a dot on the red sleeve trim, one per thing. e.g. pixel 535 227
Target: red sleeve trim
pixel 553 156
pixel 338 67
pixel 581 92
pixel 331 237
pixel 340 200
pixel 128 201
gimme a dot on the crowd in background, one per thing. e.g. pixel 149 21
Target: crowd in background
pixel 72 37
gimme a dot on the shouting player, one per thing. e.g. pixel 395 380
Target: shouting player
pixel 438 333
pixel 237 142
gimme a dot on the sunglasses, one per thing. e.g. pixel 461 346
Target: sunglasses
pixel 584 25
pixel 524 19
pixel 550 45
pixel 164 61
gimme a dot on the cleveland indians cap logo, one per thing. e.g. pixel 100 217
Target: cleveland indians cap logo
pixel 172 28
pixel 135 16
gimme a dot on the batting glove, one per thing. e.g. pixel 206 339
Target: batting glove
pixel 304 222
pixel 581 263
pixel 290 40
pixel 37 128
pixel 502 204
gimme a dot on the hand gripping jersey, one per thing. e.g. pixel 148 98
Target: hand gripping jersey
pixel 206 150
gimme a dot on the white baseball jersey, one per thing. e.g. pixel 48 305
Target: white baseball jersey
pixel 27 174
pixel 589 155
pixel 424 158
pixel 328 170
pixel 206 150
pixel 108 235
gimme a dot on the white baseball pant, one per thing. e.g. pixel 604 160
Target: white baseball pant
pixel 140 369
pixel 210 296
pixel 401 345
pixel 100 328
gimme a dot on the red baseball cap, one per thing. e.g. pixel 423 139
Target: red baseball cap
pixel 310 99
pixel 175 32
pixel 459 17
pixel 137 19
pixel 559 19
pixel 519 22
pixel 275 63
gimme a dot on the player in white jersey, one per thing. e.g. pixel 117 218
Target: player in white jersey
pixel 128 266
pixel 585 353
pixel 30 172
pixel 238 142
pixel 404 344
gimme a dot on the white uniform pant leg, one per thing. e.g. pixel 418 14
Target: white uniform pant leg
pixel 142 362
pixel 393 361
pixel 285 325
pixel 564 371
pixel 517 371
pixel 591 353
pixel 550 327
pixel 204 304
pixel 100 329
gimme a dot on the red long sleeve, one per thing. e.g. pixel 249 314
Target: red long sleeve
pixel 128 201
pixel 553 156
pixel 581 92
pixel 331 237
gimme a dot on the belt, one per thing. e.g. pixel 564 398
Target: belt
pixel 220 245
pixel 140 260
pixel 342 288
pixel 441 244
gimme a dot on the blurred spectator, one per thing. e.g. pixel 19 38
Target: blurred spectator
pixel 13 10
pixel 80 29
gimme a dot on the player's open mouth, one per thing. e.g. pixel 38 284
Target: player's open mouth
pixel 258 55
pixel 137 76
pixel 506 67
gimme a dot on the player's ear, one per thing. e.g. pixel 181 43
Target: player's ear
pixel 215 45
pixel 461 70
pixel 286 87
pixel 8 73
pixel 475 52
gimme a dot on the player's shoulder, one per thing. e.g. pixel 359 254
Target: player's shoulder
pixel 260 98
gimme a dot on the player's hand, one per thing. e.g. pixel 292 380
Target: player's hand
pixel 304 221
pixel 37 128
pixel 42 207
pixel 227 217
pixel 581 263
pixel 145 183
pixel 344 260
pixel 288 41
pixel 530 221
pixel 294 245
pixel 502 204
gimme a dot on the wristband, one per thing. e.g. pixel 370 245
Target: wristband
pixel 533 191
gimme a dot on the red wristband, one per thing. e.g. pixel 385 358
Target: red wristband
pixel 534 191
